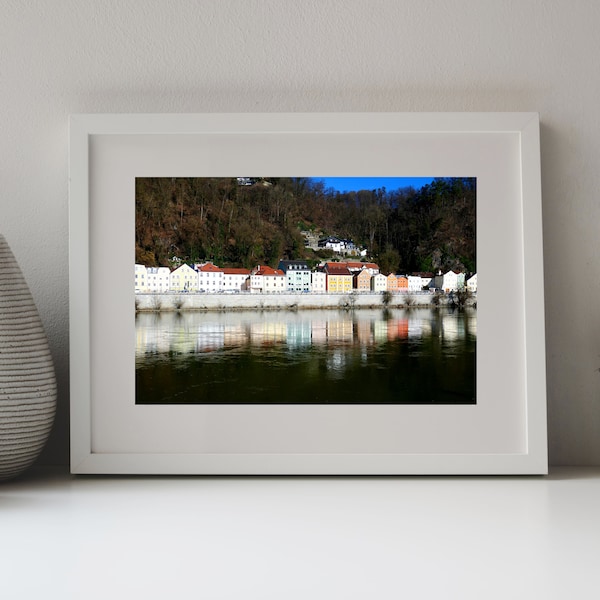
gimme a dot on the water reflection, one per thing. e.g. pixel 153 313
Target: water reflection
pixel 370 356
pixel 209 332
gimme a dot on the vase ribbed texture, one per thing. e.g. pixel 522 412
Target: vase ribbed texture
pixel 27 379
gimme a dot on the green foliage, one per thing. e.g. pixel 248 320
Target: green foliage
pixel 389 261
pixel 196 219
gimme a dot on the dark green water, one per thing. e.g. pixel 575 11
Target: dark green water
pixel 417 356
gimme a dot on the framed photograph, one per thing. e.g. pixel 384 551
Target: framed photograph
pixel 307 294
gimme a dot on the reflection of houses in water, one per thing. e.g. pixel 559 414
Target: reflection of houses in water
pixel 299 334
pixel 417 329
pixel 319 332
pixel 150 340
pixel 209 337
pixel 397 329
pixel 364 332
pixel 471 325
pixel 268 333
pixel 453 329
pixel 154 338
pixel 235 335
pixel 380 331
pixel 339 331
pixel 203 333
pixel 336 363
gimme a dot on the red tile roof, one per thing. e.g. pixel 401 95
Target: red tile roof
pixel 209 268
pixel 234 271
pixel 266 270
pixel 337 269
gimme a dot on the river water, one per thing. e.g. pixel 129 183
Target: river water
pixel 413 356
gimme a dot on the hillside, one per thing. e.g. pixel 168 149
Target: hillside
pixel 219 219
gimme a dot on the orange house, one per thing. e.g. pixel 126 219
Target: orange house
pixel 392 283
pixel 362 281
pixel 402 283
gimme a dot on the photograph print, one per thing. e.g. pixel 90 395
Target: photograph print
pixel 305 290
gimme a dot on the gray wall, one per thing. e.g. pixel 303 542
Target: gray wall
pixel 71 56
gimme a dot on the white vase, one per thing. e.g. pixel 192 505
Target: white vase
pixel 27 379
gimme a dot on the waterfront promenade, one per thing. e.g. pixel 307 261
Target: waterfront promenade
pixel 284 301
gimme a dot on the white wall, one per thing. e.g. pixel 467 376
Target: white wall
pixel 69 56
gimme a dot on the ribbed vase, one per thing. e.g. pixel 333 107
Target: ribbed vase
pixel 27 379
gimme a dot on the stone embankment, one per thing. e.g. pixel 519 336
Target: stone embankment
pixel 287 301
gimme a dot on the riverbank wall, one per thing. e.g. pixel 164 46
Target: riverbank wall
pixel 286 301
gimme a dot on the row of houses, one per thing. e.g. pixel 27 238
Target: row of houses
pixel 294 276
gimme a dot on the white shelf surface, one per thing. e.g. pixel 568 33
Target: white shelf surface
pixel 92 537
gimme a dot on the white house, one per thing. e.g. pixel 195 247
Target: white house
pixel 333 243
pixel 472 284
pixel 183 279
pixel 264 279
pixel 379 283
pixel 318 282
pixel 158 279
pixel 448 282
pixel 414 283
pixel 235 279
pixel 210 278
pixel 427 280
pixel 141 278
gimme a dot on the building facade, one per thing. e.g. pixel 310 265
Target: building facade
pixel 318 282
pixel 183 279
pixel 339 278
pixel 264 279
pixel 141 283
pixel 158 279
pixel 362 281
pixel 210 277
pixel 235 280
pixel 297 274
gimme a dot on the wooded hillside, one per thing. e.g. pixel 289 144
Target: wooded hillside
pixel 196 219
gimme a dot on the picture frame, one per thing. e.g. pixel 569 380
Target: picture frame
pixel 504 433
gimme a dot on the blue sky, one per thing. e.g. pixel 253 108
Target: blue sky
pixel 354 184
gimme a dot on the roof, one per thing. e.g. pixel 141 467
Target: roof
pixel 209 268
pixel 361 265
pixel 337 269
pixel 266 270
pixel 297 265
pixel 235 271
pixel 362 273
pixel 354 265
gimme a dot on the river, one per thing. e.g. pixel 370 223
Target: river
pixel 411 356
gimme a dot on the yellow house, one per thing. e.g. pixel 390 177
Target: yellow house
pixel 339 278
pixel 183 279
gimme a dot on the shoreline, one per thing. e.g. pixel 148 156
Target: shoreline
pixel 170 302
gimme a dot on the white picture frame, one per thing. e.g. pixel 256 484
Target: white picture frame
pixel 504 433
